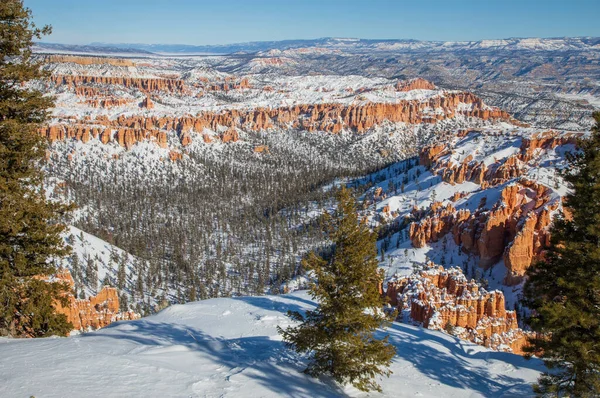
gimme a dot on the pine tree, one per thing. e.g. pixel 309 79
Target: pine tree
pixel 339 334
pixel 564 290
pixel 29 231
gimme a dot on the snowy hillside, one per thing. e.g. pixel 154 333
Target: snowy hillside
pixel 230 348
pixel 94 263
pixel 409 192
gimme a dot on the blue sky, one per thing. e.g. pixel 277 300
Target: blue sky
pixel 231 21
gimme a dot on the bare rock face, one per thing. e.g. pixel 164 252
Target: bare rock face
pixel 432 228
pixel 231 135
pixel 331 118
pixel 80 60
pixel 501 171
pixel 261 149
pixel 142 84
pixel 124 136
pixel 107 102
pixel 147 103
pixel 175 155
pixel 429 155
pixel 443 299
pixel 186 139
pixel 230 83
pixel 545 140
pixel 516 228
pixel 96 311
pixel 415 84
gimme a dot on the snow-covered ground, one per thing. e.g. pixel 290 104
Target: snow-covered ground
pixel 230 348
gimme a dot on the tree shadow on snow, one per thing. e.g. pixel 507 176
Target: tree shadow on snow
pixel 257 357
pixel 452 364
pixel 267 303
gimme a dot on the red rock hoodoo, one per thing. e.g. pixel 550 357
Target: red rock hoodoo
pixel 311 117
pixel 441 298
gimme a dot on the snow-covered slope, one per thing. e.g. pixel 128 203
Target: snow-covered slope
pixel 104 261
pixel 230 348
pixel 405 193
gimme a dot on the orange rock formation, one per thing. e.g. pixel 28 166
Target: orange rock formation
pixel 516 228
pixel 81 60
pixel 311 117
pixel 95 312
pixel 415 84
pixel 438 298
pixel 143 84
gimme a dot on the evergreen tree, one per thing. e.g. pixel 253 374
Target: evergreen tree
pixel 564 290
pixel 339 334
pixel 122 273
pixel 29 232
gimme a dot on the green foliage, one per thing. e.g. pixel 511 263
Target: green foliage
pixel 564 290
pixel 29 232
pixel 339 334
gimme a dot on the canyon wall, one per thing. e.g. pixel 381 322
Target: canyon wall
pixel 140 83
pixel 310 117
pixel 81 60
pixel 516 228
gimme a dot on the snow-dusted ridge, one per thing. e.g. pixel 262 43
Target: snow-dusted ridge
pixel 230 348
pixel 347 44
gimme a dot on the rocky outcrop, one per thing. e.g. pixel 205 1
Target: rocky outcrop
pixel 331 118
pixel 515 229
pixel 429 155
pixel 230 83
pixel 415 84
pixel 231 135
pixel 261 149
pixel 125 137
pixel 108 102
pixel 81 60
pixel 85 91
pixel 499 172
pixel 432 228
pixel 147 103
pixel 96 311
pixel 140 83
pixel 175 155
pixel 546 140
pixel 444 299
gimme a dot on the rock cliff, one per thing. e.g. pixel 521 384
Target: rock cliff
pixel 142 84
pixel 80 60
pixel 332 118
pixel 415 84
pixel 514 229
pixel 94 312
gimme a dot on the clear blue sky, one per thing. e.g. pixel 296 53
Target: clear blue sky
pixel 231 21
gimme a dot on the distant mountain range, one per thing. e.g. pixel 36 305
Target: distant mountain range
pixel 346 44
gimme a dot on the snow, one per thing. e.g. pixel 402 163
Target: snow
pixel 230 347
pixel 287 90
pixel 584 97
pixel 487 145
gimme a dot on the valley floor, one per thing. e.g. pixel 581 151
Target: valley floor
pixel 229 347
